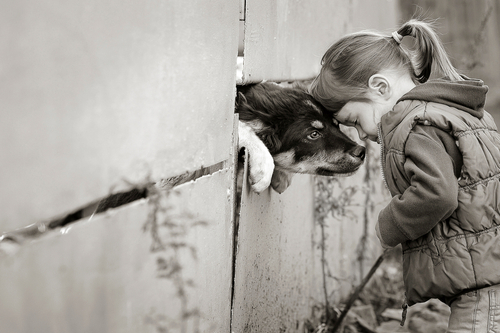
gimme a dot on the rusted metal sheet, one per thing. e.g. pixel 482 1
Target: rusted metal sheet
pixel 285 39
pixel 94 94
pixel 125 271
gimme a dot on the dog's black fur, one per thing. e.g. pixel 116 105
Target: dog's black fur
pixel 300 134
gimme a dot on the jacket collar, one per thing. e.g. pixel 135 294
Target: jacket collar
pixel 468 95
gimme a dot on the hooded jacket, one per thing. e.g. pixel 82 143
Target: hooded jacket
pixel 441 163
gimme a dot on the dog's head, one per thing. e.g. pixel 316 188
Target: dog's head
pixel 300 134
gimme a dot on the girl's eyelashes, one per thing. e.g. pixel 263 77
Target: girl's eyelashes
pixel 351 122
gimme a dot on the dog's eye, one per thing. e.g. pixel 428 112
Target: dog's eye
pixel 314 135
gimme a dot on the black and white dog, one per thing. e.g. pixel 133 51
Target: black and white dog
pixel 286 131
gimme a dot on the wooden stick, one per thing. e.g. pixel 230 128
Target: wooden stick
pixel 356 293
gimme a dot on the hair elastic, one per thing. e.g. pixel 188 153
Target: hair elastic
pixel 397 37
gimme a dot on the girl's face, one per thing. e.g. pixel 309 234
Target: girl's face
pixel 364 116
pixel 384 90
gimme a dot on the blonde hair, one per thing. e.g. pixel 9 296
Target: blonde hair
pixel 351 61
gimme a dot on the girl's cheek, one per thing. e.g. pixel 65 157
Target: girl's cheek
pixel 376 116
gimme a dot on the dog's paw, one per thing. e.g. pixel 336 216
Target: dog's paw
pixel 281 181
pixel 260 169
pixel 260 161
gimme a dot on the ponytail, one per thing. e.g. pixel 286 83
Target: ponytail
pixel 349 63
pixel 429 50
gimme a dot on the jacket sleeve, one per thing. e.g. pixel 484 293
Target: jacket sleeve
pixel 431 196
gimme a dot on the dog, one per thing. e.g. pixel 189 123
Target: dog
pixel 286 131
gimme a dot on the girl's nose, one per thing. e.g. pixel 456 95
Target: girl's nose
pixel 362 135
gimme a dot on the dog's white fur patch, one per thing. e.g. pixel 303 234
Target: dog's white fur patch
pixel 317 124
pixel 255 124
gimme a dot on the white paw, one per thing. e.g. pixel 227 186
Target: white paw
pixel 281 181
pixel 260 169
pixel 260 161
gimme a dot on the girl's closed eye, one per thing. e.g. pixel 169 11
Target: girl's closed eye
pixel 352 122
pixel 347 122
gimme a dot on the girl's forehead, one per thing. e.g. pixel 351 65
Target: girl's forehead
pixel 350 110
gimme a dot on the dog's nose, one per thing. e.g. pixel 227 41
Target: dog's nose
pixel 358 151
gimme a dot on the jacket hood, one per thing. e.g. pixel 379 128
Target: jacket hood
pixel 468 95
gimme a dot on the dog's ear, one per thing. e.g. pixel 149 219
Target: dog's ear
pixel 270 139
pixel 328 114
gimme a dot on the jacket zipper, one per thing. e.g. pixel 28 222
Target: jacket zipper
pixel 382 168
pixel 382 153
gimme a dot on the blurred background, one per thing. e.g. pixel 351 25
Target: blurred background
pixel 470 31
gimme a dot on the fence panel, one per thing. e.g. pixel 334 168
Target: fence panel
pixel 100 97
pixel 94 93
pixel 124 271
pixel 274 268
pixel 285 40
pixel 315 240
pixel 290 257
pixel 346 213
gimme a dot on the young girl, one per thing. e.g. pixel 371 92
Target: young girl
pixel 441 162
